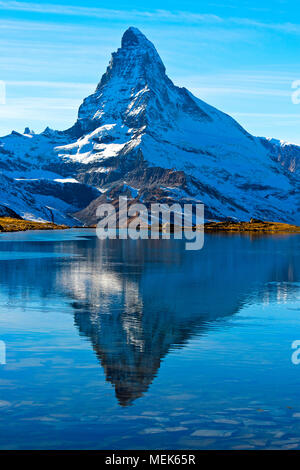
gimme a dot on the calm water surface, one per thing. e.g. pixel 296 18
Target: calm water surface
pixel 142 344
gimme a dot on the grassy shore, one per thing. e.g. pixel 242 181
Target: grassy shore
pixel 8 224
pixel 256 226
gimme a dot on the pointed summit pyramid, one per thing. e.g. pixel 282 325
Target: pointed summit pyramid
pixel 133 37
pixel 136 92
pixel 135 70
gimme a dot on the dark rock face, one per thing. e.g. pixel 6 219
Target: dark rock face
pixel 155 184
pixel 287 155
pixel 7 212
pixel 75 194
pixel 132 37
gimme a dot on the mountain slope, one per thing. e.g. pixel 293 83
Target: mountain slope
pixel 141 135
pixel 35 183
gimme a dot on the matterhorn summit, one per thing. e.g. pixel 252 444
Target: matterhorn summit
pixel 134 77
pixel 141 135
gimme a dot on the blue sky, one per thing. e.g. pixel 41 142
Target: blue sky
pixel 240 56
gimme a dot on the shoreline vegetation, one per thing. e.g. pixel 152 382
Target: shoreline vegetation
pixel 9 224
pixel 253 226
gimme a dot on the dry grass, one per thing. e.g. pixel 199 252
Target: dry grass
pixel 265 227
pixel 8 224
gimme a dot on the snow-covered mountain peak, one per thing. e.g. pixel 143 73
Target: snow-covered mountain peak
pixel 135 73
pixel 141 134
pixel 136 51
pixel 136 61
pixel 136 93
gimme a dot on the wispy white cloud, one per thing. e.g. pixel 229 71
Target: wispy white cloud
pixel 20 64
pixel 264 83
pixel 267 115
pixel 48 26
pixel 14 107
pixel 132 15
pixel 241 91
pixel 24 25
pixel 104 13
pixel 78 34
pixel 283 27
pixel 37 113
pixel 265 77
pixel 47 84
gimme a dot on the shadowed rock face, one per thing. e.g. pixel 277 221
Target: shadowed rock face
pixel 7 212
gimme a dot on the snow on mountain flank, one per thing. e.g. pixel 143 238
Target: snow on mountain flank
pixel 140 134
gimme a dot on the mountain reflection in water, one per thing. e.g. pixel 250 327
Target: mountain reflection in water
pixel 137 300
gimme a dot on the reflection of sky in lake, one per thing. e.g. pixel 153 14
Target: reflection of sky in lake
pixel 141 344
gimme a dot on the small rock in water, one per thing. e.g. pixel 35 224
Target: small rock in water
pixel 175 429
pixel 152 430
pixel 4 403
pixel 254 422
pixel 226 421
pixel 212 433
